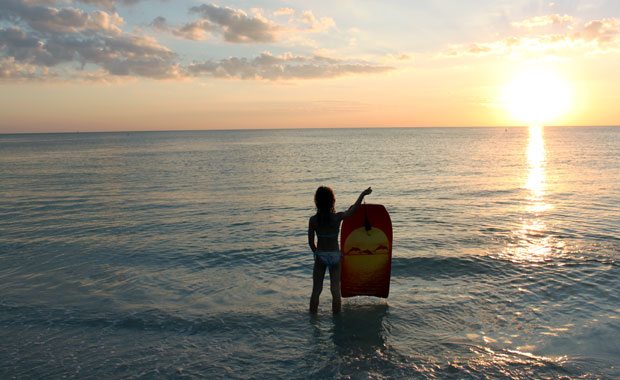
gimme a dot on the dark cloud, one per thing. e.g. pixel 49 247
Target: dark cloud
pixel 109 4
pixel 160 24
pixel 234 25
pixel 197 30
pixel 45 37
pixel 134 55
pixel 122 55
pixel 59 21
pixel 269 67
pixel 16 44
pixel 39 42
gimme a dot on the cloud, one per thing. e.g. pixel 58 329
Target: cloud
pixel 25 49
pixel 233 24
pixel 12 70
pixel 540 21
pixel 284 11
pixel 60 21
pixel 160 24
pixel 109 4
pixel 40 2
pixel 122 55
pixel 285 67
pixel 597 36
pixel 39 42
pixel 236 26
pixel 133 55
pixel 197 30
pixel 312 24
pixel 45 37
pixel 602 31
pixel 397 58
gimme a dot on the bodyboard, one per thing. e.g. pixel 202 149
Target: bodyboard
pixel 366 245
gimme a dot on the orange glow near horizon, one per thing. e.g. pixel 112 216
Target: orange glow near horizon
pixel 307 66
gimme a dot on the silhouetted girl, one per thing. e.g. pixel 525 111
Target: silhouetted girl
pixel 326 224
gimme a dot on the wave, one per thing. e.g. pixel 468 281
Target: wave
pixel 447 267
pixel 573 268
pixel 147 320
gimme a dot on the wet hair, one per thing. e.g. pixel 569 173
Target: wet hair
pixel 324 199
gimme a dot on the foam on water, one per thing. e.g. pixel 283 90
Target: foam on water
pixel 183 255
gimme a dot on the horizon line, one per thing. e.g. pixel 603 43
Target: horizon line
pixel 299 128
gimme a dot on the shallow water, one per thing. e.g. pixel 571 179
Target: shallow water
pixel 184 255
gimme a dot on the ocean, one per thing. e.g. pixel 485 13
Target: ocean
pixel 184 255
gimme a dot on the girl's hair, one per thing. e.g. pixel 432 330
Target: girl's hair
pixel 324 199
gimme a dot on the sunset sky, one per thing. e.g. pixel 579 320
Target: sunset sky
pixel 110 65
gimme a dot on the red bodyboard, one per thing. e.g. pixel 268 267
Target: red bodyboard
pixel 367 261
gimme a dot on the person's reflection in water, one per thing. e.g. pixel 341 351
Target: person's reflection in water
pixel 360 332
pixel 351 343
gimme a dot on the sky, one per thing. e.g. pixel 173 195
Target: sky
pixel 121 65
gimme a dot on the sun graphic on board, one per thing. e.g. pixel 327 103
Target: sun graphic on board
pixel 367 253
pixel 537 97
pixel 362 242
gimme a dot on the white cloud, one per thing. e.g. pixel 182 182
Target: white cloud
pixel 603 31
pixel 13 70
pixel 541 21
pixel 597 36
pixel 397 58
pixel 312 24
pixel 284 11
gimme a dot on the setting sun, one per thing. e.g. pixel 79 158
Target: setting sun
pixel 537 97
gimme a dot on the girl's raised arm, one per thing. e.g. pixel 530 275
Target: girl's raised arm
pixel 355 206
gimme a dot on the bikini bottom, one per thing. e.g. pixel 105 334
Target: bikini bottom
pixel 329 258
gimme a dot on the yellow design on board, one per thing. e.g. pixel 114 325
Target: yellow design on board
pixel 362 242
pixel 366 253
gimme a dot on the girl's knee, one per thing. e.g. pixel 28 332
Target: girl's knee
pixel 316 290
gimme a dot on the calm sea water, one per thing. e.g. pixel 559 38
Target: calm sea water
pixel 184 255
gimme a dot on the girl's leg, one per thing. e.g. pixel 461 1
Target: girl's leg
pixel 318 274
pixel 334 286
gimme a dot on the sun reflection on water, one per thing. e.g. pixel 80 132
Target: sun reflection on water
pixel 533 242
pixel 536 159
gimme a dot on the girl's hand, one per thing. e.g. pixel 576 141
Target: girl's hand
pixel 366 192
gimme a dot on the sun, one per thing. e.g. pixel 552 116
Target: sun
pixel 537 97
